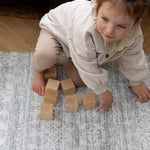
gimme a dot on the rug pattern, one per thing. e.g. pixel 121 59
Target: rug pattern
pixel 124 127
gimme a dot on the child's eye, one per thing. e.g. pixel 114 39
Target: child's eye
pixel 105 19
pixel 120 26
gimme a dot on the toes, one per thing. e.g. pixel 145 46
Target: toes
pixel 39 90
pixel 36 90
pixel 43 91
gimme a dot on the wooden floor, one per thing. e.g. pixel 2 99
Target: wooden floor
pixel 146 32
pixel 21 34
pixel 18 34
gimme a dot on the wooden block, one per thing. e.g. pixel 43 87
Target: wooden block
pixel 52 85
pixel 67 87
pixel 72 103
pixel 88 101
pixel 51 96
pixel 46 111
pixel 51 73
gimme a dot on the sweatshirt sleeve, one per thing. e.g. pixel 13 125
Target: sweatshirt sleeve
pixel 84 57
pixel 133 63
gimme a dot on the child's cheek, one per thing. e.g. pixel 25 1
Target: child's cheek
pixel 99 26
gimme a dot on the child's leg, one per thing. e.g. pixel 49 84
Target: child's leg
pixel 73 73
pixel 45 56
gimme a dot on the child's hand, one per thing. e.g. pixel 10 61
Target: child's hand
pixel 142 92
pixel 106 100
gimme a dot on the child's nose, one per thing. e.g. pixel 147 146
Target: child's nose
pixel 110 29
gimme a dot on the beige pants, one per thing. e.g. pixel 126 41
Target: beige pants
pixel 46 51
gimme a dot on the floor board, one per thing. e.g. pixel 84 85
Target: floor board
pixel 18 34
pixel 146 32
pixel 21 34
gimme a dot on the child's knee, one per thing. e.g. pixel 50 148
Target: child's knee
pixel 42 61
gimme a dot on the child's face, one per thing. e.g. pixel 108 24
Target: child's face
pixel 111 23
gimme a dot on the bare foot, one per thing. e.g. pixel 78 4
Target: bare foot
pixel 38 84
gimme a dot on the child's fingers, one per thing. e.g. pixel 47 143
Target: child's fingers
pixel 100 107
pixel 106 108
pixel 110 105
pixel 141 99
pixel 147 89
pixel 147 95
pixel 144 98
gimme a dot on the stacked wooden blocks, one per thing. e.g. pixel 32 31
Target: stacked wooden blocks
pixel 50 99
pixel 51 95
pixel 51 91
pixel 68 88
pixel 88 100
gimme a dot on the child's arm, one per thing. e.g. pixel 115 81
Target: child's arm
pixel 133 63
pixel 106 100
pixel 142 92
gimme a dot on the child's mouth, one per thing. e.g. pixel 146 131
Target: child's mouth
pixel 109 37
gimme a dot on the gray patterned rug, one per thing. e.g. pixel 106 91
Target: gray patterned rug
pixel 125 127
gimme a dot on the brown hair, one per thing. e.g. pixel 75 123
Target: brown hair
pixel 133 8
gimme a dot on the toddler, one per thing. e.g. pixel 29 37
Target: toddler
pixel 92 33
